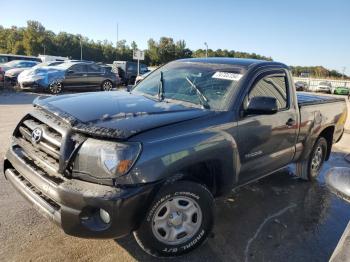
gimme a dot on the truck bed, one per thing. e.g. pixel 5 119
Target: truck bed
pixel 305 99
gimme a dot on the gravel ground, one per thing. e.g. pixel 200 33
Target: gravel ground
pixel 277 218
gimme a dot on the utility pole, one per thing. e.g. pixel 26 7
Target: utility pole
pixel 117 33
pixel 81 50
pixel 206 50
pixel 117 41
pixel 342 77
pixel 44 49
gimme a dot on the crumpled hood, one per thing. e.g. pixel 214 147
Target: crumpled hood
pixel 117 114
pixel 46 74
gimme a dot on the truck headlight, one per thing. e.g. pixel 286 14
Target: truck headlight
pixel 105 159
pixel 117 158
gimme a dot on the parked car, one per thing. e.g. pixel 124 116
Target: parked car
pixel 31 71
pixel 301 86
pixel 324 87
pixel 12 69
pixel 150 161
pixel 341 90
pixel 70 76
pixel 139 78
pixel 110 69
pixel 128 71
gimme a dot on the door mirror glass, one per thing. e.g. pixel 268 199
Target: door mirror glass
pixel 262 105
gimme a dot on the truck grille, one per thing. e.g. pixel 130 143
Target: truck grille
pixel 43 151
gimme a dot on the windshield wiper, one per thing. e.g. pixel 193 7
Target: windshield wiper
pixel 203 100
pixel 161 87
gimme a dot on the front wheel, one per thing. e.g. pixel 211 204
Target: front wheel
pixel 179 220
pixel 310 168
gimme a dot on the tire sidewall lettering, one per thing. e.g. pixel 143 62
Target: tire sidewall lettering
pixel 160 201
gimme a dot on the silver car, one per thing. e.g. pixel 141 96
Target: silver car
pixel 325 87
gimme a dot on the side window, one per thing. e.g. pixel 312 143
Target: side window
pixel 21 64
pixel 79 68
pixel 3 59
pixel 30 64
pixel 152 85
pixel 94 69
pixel 132 67
pixel 271 86
pixel 143 69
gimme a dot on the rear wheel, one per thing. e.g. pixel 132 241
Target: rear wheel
pixel 55 87
pixel 310 168
pixel 179 220
pixel 107 85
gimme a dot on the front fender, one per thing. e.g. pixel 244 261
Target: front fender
pixel 161 159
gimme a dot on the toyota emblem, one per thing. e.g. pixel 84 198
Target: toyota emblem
pixel 36 135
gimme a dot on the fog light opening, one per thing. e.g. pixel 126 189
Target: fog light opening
pixel 105 217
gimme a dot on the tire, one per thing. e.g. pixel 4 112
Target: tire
pixel 55 87
pixel 309 169
pixel 185 207
pixel 106 85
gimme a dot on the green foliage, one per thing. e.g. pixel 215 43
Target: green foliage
pixel 34 39
pixel 227 53
pixel 316 72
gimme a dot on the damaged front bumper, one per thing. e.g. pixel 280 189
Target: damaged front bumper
pixel 75 205
pixel 30 85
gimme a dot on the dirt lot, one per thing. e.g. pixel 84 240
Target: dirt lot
pixel 278 218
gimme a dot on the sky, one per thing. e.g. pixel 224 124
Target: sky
pixel 295 32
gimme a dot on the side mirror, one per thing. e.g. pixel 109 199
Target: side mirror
pixel 262 105
pixel 70 72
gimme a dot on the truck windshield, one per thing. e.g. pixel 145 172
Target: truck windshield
pixel 203 84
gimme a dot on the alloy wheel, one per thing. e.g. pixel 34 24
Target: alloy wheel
pixel 55 88
pixel 107 86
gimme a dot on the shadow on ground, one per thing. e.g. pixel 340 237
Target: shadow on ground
pixel 279 218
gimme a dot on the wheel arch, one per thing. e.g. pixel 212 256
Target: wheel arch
pixel 328 133
pixel 217 174
pixel 107 79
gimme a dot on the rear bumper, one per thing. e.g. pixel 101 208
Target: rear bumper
pixel 75 205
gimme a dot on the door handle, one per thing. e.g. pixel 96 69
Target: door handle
pixel 290 122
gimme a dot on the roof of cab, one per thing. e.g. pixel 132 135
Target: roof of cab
pixel 241 62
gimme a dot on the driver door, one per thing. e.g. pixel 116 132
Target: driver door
pixel 76 77
pixel 267 142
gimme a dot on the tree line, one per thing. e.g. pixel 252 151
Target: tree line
pixel 35 39
pixel 317 72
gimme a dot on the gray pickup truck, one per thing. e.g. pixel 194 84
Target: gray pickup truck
pixel 151 160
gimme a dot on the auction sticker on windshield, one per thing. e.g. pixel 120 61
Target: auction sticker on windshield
pixel 227 76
